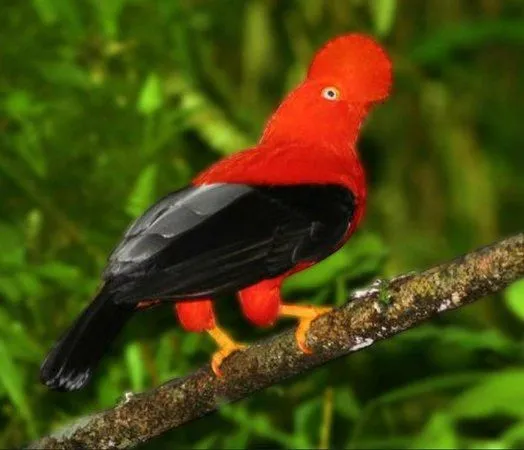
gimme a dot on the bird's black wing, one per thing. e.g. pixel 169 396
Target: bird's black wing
pixel 206 240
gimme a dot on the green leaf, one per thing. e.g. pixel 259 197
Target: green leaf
pixel 346 404
pixel 46 11
pixel 29 283
pixel 108 15
pixel 165 355
pixel 109 388
pixel 151 97
pixel 9 289
pixel 320 274
pixel 190 344
pixel 211 123
pixel 11 378
pixel 257 54
pixel 22 105
pixel 19 339
pixel 467 35
pixel 257 424
pixel 30 150
pixel 514 297
pixel 460 338
pixel 143 192
pixel 65 73
pixel 383 13
pixel 12 245
pixel 135 366
pixel 513 437
pixel 61 273
pixel 237 438
pixel 307 423
pixel 363 254
pixel 498 394
pixel 429 385
pixel 208 442
pixel 438 433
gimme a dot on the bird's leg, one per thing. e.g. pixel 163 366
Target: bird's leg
pixel 197 315
pixel 305 314
pixel 226 346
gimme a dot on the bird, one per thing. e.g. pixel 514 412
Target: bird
pixel 247 222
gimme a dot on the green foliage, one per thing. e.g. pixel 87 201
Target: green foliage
pixel 107 105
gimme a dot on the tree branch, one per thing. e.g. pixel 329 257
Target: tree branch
pixel 372 314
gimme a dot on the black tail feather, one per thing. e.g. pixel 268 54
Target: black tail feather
pixel 70 363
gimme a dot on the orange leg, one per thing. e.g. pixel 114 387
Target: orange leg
pixel 198 316
pixel 261 304
pixel 306 315
pixel 226 346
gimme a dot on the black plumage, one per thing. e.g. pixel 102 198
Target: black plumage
pixel 201 241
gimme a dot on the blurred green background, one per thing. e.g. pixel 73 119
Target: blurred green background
pixel 108 104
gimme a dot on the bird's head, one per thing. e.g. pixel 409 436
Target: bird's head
pixel 346 77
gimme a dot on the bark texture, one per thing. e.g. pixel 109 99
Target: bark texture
pixel 378 312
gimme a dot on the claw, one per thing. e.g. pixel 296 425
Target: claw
pixel 220 355
pixel 226 346
pixel 301 335
pixel 306 315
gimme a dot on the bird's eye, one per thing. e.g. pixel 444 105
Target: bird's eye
pixel 331 93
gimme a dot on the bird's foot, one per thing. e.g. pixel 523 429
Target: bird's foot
pixel 306 315
pixel 226 346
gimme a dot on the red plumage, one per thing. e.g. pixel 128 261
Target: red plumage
pixel 311 140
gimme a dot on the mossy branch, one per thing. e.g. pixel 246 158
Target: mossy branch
pixel 370 315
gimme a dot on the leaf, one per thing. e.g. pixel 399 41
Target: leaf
pixel 514 297
pixel 19 339
pixel 363 254
pixel 257 424
pixel 11 378
pixel 429 385
pixel 320 274
pixel 346 404
pixel 46 11
pixel 65 73
pixel 305 417
pixel 30 150
pixel 143 193
pixel 108 15
pixel 236 439
pixel 9 289
pixel 514 436
pixel 135 366
pixel 30 285
pixel 437 433
pixel 439 45
pixel 61 273
pixel 22 105
pixel 12 245
pixel 460 339
pixel 211 123
pixel 165 355
pixel 208 442
pixel 151 97
pixel 190 344
pixel 383 14
pixel 109 387
pixel 498 394
pixel 257 54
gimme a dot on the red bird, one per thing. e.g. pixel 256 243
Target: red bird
pixel 247 222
